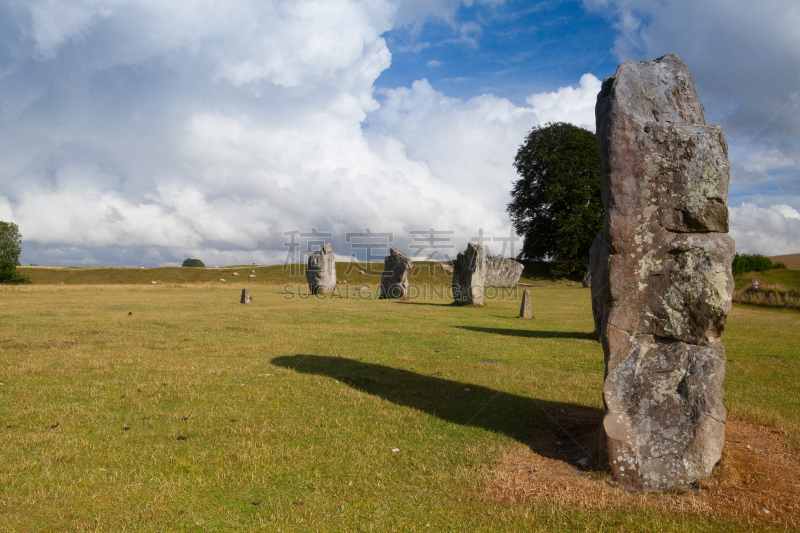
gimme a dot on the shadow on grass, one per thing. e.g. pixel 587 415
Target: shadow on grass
pixel 532 333
pixel 559 430
pixel 411 302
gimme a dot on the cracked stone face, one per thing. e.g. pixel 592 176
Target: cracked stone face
pixel 661 276
pixel 394 280
pixel 321 271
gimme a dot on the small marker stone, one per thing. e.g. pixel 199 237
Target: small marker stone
pixel 525 310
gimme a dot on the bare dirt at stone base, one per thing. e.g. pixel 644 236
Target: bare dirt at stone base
pixel 756 481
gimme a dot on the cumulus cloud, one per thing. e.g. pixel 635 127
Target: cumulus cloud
pixel 744 57
pixel 569 104
pixel 768 231
pixel 745 61
pixel 240 128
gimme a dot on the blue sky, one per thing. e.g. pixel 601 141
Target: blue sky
pixel 510 49
pixel 140 133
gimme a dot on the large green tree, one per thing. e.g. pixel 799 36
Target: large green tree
pixel 10 248
pixel 556 204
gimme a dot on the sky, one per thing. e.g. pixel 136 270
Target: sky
pixel 140 133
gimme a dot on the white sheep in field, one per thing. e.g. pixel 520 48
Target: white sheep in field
pixel 235 273
pixel 61 283
pixel 253 271
pixel 160 266
pixel 153 283
pixel 252 276
pixel 221 280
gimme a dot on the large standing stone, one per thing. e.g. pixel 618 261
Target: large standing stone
pixel 502 272
pixel 525 310
pixel 468 273
pixel 661 276
pixel 394 281
pixel 245 297
pixel 321 271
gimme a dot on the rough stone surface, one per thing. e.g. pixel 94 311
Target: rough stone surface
pixel 587 280
pixel 321 271
pixel 661 276
pixel 468 275
pixel 525 310
pixel 502 272
pixel 394 280
pixel 598 269
pixel 245 297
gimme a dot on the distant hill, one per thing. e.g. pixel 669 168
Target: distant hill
pixel 791 261
pixel 424 272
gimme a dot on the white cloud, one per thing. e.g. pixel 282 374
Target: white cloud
pixel 768 231
pixel 744 57
pixel 434 63
pixel 182 169
pixel 415 13
pixel 54 23
pixel 568 104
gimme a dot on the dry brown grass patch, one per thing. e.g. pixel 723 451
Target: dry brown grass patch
pixel 748 482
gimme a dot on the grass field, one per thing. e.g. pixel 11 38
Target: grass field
pixel 423 272
pixel 781 276
pixel 175 408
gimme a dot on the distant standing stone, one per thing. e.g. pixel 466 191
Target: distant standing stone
pixel 587 280
pixel 321 271
pixel 468 274
pixel 245 297
pixel 502 272
pixel 394 281
pixel 525 310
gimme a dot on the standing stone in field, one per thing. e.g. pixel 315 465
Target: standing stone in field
pixel 321 271
pixel 502 272
pixel 468 275
pixel 245 297
pixel 587 280
pixel 661 273
pixel 394 281
pixel 525 310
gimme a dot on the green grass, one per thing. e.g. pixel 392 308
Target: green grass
pixel 298 404
pixel 423 272
pixel 782 276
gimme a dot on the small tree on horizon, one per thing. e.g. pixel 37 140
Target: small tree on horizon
pixel 556 204
pixel 10 248
pixel 193 263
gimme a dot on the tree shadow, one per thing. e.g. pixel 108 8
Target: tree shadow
pixel 559 430
pixel 533 333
